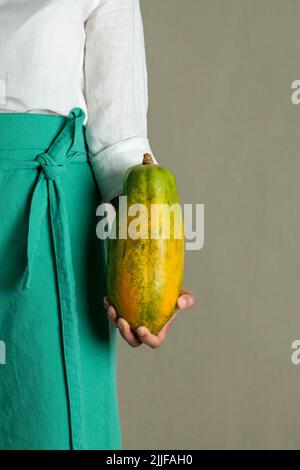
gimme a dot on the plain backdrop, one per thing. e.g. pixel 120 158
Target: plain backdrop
pixel 221 117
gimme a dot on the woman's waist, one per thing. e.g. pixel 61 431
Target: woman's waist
pixel 24 134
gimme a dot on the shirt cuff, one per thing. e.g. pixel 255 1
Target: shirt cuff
pixel 110 164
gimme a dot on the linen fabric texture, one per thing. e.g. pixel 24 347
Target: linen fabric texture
pixel 60 54
pixel 58 388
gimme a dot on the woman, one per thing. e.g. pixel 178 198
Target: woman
pixel 73 94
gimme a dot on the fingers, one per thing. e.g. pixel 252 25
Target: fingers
pixel 111 312
pixel 121 324
pixel 153 341
pixel 185 300
pixel 112 315
pixel 167 325
pixel 127 333
pixel 142 335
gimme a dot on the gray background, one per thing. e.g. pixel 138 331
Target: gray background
pixel 220 115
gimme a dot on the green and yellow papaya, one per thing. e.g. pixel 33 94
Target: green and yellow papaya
pixel 144 275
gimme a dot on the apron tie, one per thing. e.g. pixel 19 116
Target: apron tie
pixel 48 196
pixel 49 167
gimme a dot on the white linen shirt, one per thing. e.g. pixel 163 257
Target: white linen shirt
pixel 59 54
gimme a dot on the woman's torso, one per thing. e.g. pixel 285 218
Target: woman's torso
pixel 42 54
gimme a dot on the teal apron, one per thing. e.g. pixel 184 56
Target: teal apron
pixel 58 381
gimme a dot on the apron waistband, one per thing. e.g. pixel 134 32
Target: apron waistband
pixel 67 148
pixel 38 131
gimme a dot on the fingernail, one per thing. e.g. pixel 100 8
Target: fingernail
pixel 182 303
pixel 142 331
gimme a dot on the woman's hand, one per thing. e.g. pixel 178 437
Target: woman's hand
pixel 142 335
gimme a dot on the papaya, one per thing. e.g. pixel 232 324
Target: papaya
pixel 144 273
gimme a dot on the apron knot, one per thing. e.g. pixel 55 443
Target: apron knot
pixel 48 198
pixel 50 167
pixel 48 206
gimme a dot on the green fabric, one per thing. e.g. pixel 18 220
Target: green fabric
pixel 58 386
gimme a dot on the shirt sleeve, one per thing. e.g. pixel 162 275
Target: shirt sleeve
pixel 116 92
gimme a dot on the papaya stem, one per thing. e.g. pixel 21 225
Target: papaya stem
pixel 148 160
